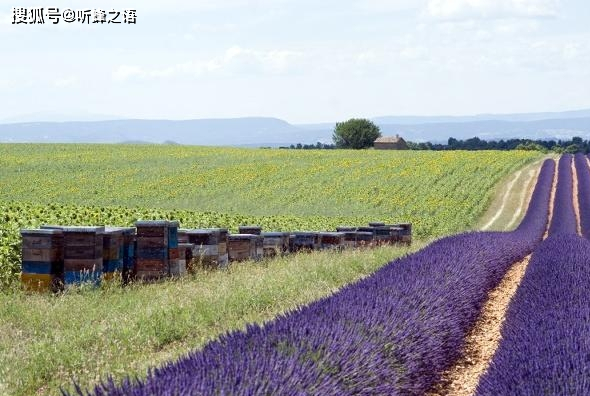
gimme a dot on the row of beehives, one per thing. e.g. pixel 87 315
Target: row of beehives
pixel 54 257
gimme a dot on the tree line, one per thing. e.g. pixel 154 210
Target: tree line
pixel 574 145
pixel 358 133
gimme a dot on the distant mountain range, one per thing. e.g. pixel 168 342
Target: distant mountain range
pixel 261 131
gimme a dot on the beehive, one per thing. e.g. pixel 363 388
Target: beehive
pixel 113 252
pixel 376 224
pixel 129 242
pixel 331 240
pixel 349 236
pixel 396 233
pixel 208 248
pixel 124 263
pixel 242 247
pixel 305 240
pixel 223 248
pixel 42 260
pixel 382 234
pixel 364 238
pixel 182 235
pixel 275 243
pixel 406 233
pixel 185 255
pixel 173 253
pixel 83 255
pixel 259 242
pixel 152 250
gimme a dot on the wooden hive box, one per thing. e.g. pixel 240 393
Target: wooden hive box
pixel 275 243
pixel 305 241
pixel 206 252
pixel 349 235
pixel 259 246
pixel 182 235
pixel 242 247
pixel 365 238
pixel 223 247
pixel 152 250
pixel 113 252
pixel 187 251
pixel 331 240
pixel 173 253
pixel 42 260
pixel 83 255
pixel 185 255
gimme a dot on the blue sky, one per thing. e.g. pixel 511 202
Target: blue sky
pixel 301 60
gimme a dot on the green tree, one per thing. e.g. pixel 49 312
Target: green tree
pixel 356 133
pixel 531 146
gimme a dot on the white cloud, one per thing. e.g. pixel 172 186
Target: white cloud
pixel 492 9
pixel 380 6
pixel 413 53
pixel 124 72
pixel 234 60
pixel 66 82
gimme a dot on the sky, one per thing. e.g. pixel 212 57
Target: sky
pixel 304 61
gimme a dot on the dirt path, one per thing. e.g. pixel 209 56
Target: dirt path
pixel 504 201
pixel 483 339
pixel 526 193
pixel 485 336
pixel 551 203
pixel 575 198
pixel 511 199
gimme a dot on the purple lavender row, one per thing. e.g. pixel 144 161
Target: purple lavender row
pixel 583 193
pixel 564 217
pixel 391 333
pixel 545 348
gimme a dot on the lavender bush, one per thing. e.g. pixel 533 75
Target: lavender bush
pixel 391 333
pixel 545 349
pixel 564 217
pixel 583 193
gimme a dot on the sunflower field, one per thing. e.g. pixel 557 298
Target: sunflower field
pixel 439 192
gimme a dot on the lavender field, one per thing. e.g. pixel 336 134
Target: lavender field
pixel 398 330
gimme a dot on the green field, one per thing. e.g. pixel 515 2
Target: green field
pixel 284 190
pixel 45 341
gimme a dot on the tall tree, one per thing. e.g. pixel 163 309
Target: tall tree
pixel 356 133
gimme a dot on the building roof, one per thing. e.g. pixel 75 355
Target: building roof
pixel 389 139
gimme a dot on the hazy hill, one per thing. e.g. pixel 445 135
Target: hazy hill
pixel 261 131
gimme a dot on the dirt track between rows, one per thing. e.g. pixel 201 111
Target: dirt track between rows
pixel 462 378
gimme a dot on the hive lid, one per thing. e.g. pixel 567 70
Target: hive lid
pixel 243 236
pixel 54 231
pixel 307 233
pixel 219 229
pixel 83 229
pixel 174 223
pixel 274 234
pixel 124 230
pixel 202 231
pixel 330 233
pixel 52 227
pixel 151 223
